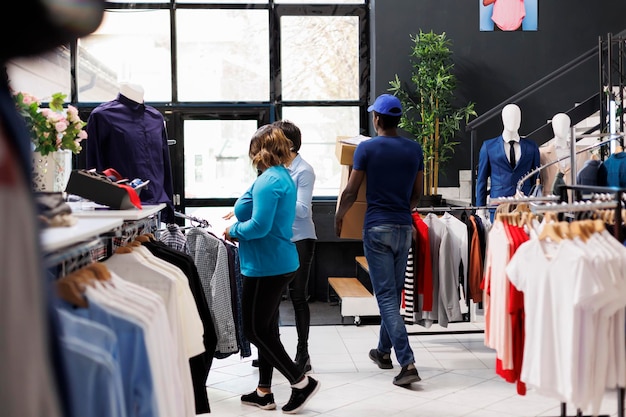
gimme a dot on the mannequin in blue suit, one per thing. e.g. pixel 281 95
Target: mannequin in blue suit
pixel 494 161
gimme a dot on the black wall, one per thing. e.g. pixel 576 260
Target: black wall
pixel 490 67
pixel 493 66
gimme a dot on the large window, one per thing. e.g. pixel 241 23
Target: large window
pixel 223 55
pixel 130 45
pixel 217 70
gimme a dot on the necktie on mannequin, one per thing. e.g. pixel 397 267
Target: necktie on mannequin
pixel 512 154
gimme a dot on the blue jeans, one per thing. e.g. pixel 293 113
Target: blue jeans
pixel 386 249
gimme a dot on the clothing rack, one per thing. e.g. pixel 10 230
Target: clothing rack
pixel 433 209
pixel 616 204
pixel 75 257
pixel 448 208
pixel 521 199
pixel 573 152
pixel 129 231
pixel 200 222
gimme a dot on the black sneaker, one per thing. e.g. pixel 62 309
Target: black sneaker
pixel 265 402
pixel 299 397
pixel 383 360
pixel 407 375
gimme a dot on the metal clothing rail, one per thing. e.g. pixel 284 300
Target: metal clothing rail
pixel 130 230
pixel 201 222
pixel 448 208
pixel 576 206
pixel 74 257
pixel 522 199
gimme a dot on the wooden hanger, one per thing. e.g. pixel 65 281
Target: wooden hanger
pixel 143 238
pixel 598 226
pixel 71 287
pixel 527 220
pixel 100 271
pixel 578 229
pixel 551 230
pixel 522 208
pixel 72 292
pixel 123 249
pixel 550 216
pixel 564 230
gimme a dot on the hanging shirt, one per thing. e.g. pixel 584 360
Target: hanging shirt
pixel 560 280
pixel 615 175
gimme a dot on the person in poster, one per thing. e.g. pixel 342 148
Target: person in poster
pixel 508 15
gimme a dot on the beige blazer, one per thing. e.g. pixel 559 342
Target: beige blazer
pixel 548 154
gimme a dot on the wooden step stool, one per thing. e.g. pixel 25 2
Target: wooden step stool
pixel 355 299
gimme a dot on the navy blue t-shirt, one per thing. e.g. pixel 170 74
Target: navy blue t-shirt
pixel 390 164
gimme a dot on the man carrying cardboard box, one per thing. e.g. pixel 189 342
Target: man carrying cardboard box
pixel 394 167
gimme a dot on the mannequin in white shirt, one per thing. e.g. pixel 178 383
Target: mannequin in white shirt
pixel 132 91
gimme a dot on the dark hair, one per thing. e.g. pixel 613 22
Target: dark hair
pixel 292 132
pixel 388 122
pixel 269 146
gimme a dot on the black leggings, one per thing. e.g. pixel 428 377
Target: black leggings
pixel 298 289
pixel 260 302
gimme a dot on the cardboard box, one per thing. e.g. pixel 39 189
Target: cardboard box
pixel 345 147
pixel 345 174
pixel 352 227
pixel 353 220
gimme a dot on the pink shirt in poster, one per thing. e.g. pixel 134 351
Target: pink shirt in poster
pixel 508 14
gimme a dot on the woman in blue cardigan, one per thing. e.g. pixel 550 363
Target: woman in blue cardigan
pixel 268 262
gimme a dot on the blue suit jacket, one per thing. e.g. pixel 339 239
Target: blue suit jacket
pixel 493 162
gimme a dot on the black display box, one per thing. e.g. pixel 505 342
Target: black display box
pixel 100 189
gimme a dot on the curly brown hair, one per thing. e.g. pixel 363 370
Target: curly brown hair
pixel 269 147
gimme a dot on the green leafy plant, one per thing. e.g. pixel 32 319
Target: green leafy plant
pixel 429 115
pixel 53 128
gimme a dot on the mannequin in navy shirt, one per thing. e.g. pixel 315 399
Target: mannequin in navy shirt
pixel 132 91
pixel 129 136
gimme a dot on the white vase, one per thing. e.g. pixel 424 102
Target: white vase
pixel 52 172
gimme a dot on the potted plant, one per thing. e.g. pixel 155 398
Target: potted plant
pixel 429 115
pixel 56 133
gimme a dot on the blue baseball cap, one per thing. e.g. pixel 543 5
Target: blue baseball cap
pixel 387 104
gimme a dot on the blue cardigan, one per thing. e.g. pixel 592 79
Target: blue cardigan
pixel 265 214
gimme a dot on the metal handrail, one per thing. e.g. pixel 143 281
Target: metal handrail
pixel 554 75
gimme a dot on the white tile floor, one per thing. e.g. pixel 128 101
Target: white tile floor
pixel 457 371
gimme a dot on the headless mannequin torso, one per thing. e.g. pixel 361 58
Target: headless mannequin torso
pixel 558 149
pixel 132 91
pixel 561 124
pixel 496 163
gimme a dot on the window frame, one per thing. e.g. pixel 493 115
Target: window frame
pixel 176 112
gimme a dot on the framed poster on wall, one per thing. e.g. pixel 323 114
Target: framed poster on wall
pixel 507 15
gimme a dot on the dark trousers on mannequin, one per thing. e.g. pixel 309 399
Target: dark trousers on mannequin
pixel 261 298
